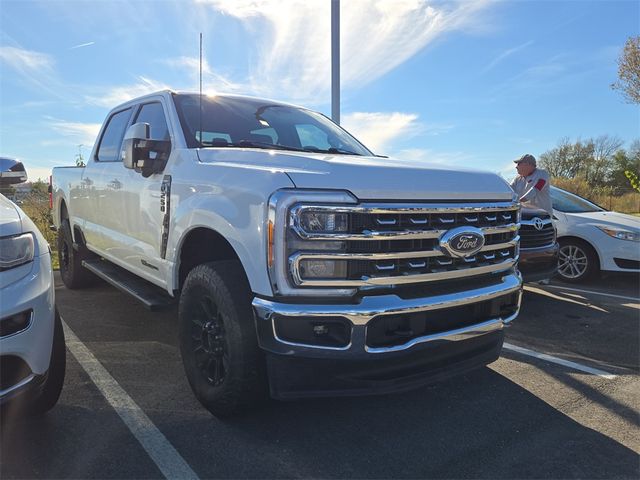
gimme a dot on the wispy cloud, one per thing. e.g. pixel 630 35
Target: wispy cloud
pixel 383 131
pixel 293 41
pixel 505 54
pixel 36 68
pixel 82 45
pixel 113 96
pixel 24 61
pixel 424 155
pixel 544 75
pixel 211 82
pixel 77 133
pixel 378 130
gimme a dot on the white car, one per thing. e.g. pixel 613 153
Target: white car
pixel 32 347
pixel 593 239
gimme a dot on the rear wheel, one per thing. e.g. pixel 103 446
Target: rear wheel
pixel 48 396
pixel 73 274
pixel 577 261
pixel 218 342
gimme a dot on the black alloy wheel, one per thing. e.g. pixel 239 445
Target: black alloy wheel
pixel 209 342
pixel 218 343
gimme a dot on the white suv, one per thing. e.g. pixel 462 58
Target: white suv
pixel 32 347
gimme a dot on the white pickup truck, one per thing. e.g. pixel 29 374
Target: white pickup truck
pixel 302 264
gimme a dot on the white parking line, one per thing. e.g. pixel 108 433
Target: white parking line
pixel 559 361
pixel 568 289
pixel 168 460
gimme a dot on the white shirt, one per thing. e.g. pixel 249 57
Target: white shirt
pixel 533 191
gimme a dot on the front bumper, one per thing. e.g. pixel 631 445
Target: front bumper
pixel 25 355
pixel 536 264
pixel 384 343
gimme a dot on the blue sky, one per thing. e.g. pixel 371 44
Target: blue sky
pixel 462 83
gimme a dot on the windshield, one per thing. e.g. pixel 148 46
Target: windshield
pixel 253 123
pixel 570 203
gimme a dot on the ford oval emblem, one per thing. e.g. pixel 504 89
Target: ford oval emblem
pixel 462 241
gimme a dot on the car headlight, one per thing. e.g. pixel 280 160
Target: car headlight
pixel 301 223
pixel 621 234
pixel 16 250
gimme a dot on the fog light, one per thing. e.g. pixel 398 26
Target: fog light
pixel 320 330
pixel 15 323
pixel 331 269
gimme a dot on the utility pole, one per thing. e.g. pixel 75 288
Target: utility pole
pixel 335 61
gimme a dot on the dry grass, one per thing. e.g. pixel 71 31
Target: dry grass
pixel 37 209
pixel 627 201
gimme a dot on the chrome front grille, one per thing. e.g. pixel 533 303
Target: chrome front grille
pixel 532 237
pixel 400 244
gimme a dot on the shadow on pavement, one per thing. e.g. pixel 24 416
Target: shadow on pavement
pixel 578 329
pixel 478 426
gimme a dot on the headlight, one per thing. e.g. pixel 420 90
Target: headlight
pixel 16 250
pixel 621 234
pixel 323 222
pixel 304 222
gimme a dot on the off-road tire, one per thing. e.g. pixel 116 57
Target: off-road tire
pixel 73 274
pixel 48 396
pixel 218 343
pixel 587 265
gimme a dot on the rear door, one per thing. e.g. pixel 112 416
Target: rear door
pixel 101 185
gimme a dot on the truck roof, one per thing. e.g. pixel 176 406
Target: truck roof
pixel 170 92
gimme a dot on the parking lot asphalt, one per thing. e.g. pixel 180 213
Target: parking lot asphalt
pixel 520 417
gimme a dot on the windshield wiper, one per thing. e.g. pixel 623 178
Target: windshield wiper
pixel 330 150
pixel 252 144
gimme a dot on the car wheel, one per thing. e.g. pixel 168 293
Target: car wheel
pixel 218 343
pixel 73 274
pixel 50 392
pixel 577 261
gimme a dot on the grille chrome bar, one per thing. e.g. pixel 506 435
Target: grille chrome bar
pixel 406 279
pixel 297 257
pixel 398 235
pixel 417 209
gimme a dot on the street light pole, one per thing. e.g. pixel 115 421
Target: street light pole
pixel 335 61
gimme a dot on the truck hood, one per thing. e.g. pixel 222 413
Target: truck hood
pixel 368 178
pixel 10 219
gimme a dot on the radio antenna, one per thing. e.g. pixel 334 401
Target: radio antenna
pixel 200 138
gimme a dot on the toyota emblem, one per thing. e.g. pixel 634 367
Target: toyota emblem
pixel 538 223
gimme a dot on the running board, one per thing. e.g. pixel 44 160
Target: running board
pixel 151 296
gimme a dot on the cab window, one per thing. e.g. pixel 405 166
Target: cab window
pixel 153 114
pixel 109 149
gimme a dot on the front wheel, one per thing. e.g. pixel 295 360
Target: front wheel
pixel 218 342
pixel 577 261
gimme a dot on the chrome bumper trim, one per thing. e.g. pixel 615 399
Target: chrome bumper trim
pixel 373 306
pixel 451 336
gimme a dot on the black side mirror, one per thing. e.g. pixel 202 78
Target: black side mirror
pixel 143 154
pixel 11 172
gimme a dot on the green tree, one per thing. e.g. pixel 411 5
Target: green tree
pixel 628 82
pixel 591 159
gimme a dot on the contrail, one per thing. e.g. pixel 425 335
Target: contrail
pixel 82 45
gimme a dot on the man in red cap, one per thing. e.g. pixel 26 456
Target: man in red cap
pixel 532 184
